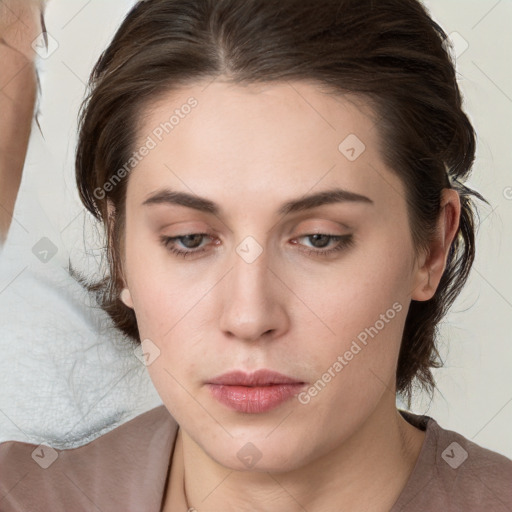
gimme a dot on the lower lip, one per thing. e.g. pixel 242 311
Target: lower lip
pixel 254 399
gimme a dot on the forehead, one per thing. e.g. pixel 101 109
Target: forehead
pixel 276 139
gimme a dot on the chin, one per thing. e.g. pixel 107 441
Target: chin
pixel 258 454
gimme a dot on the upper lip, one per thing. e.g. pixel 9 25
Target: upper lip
pixel 261 377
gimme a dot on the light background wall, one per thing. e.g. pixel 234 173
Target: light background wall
pixel 475 385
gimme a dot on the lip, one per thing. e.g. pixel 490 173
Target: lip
pixel 261 377
pixel 255 392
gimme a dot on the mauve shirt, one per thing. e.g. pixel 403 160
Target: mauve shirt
pixel 127 469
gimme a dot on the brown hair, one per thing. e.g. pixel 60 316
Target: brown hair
pixel 390 52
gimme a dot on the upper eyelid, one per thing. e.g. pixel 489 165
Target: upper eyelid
pixel 303 231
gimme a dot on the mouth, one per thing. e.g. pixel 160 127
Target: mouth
pixel 256 392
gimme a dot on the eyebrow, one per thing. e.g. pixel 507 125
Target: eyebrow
pixel 336 195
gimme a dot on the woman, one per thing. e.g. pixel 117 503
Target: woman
pixel 282 190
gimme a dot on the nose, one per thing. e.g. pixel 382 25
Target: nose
pixel 253 301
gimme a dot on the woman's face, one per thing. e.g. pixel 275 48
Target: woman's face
pixel 260 290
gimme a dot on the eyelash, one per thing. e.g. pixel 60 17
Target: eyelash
pixel 344 242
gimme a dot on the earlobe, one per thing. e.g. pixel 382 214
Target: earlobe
pixel 111 209
pixel 126 297
pixel 423 290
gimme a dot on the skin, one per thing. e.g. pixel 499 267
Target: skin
pixel 250 149
pixel 20 24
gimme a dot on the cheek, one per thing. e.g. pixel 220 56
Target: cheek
pixel 167 305
pixel 356 313
pixel 352 294
pixel 171 304
pixel 159 291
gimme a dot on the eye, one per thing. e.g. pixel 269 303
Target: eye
pixel 321 240
pixel 192 243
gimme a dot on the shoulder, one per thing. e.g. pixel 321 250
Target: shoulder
pixel 132 459
pixel 454 473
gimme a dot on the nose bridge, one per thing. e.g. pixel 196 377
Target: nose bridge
pixel 250 302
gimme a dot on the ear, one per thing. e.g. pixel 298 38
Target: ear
pixel 125 294
pixel 433 263
pixel 110 221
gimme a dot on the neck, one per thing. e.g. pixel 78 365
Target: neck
pixel 366 472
